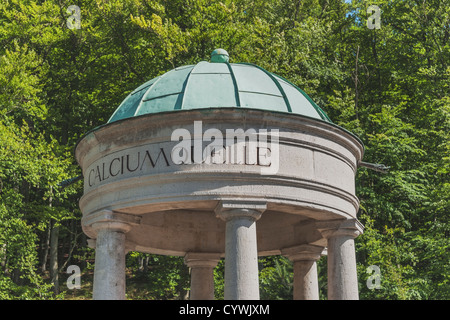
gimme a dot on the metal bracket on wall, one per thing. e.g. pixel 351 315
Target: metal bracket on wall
pixel 375 166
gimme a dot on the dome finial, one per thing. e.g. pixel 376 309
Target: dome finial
pixel 220 55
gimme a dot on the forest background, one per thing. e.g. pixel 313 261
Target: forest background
pixel 389 86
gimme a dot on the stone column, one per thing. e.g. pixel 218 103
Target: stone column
pixel 202 274
pixel 109 271
pixel 304 257
pixel 241 252
pixel 342 276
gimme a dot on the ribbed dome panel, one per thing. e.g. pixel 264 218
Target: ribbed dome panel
pixel 218 85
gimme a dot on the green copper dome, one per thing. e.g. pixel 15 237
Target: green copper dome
pixel 218 84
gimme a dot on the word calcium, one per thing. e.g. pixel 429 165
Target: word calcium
pixel 127 163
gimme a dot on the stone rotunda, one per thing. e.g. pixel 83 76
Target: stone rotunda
pixel 222 160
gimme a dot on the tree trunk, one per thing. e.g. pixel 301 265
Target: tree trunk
pixel 356 80
pixel 45 247
pixel 3 257
pixel 146 259
pixel 54 257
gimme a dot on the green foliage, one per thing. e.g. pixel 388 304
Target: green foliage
pixel 411 263
pixel 157 277
pixel 390 86
pixel 275 277
pixel 219 280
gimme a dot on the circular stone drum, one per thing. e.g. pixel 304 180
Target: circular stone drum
pixel 172 169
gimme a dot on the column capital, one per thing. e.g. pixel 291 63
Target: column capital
pixel 227 210
pixel 107 219
pixel 303 252
pixel 335 228
pixel 201 259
